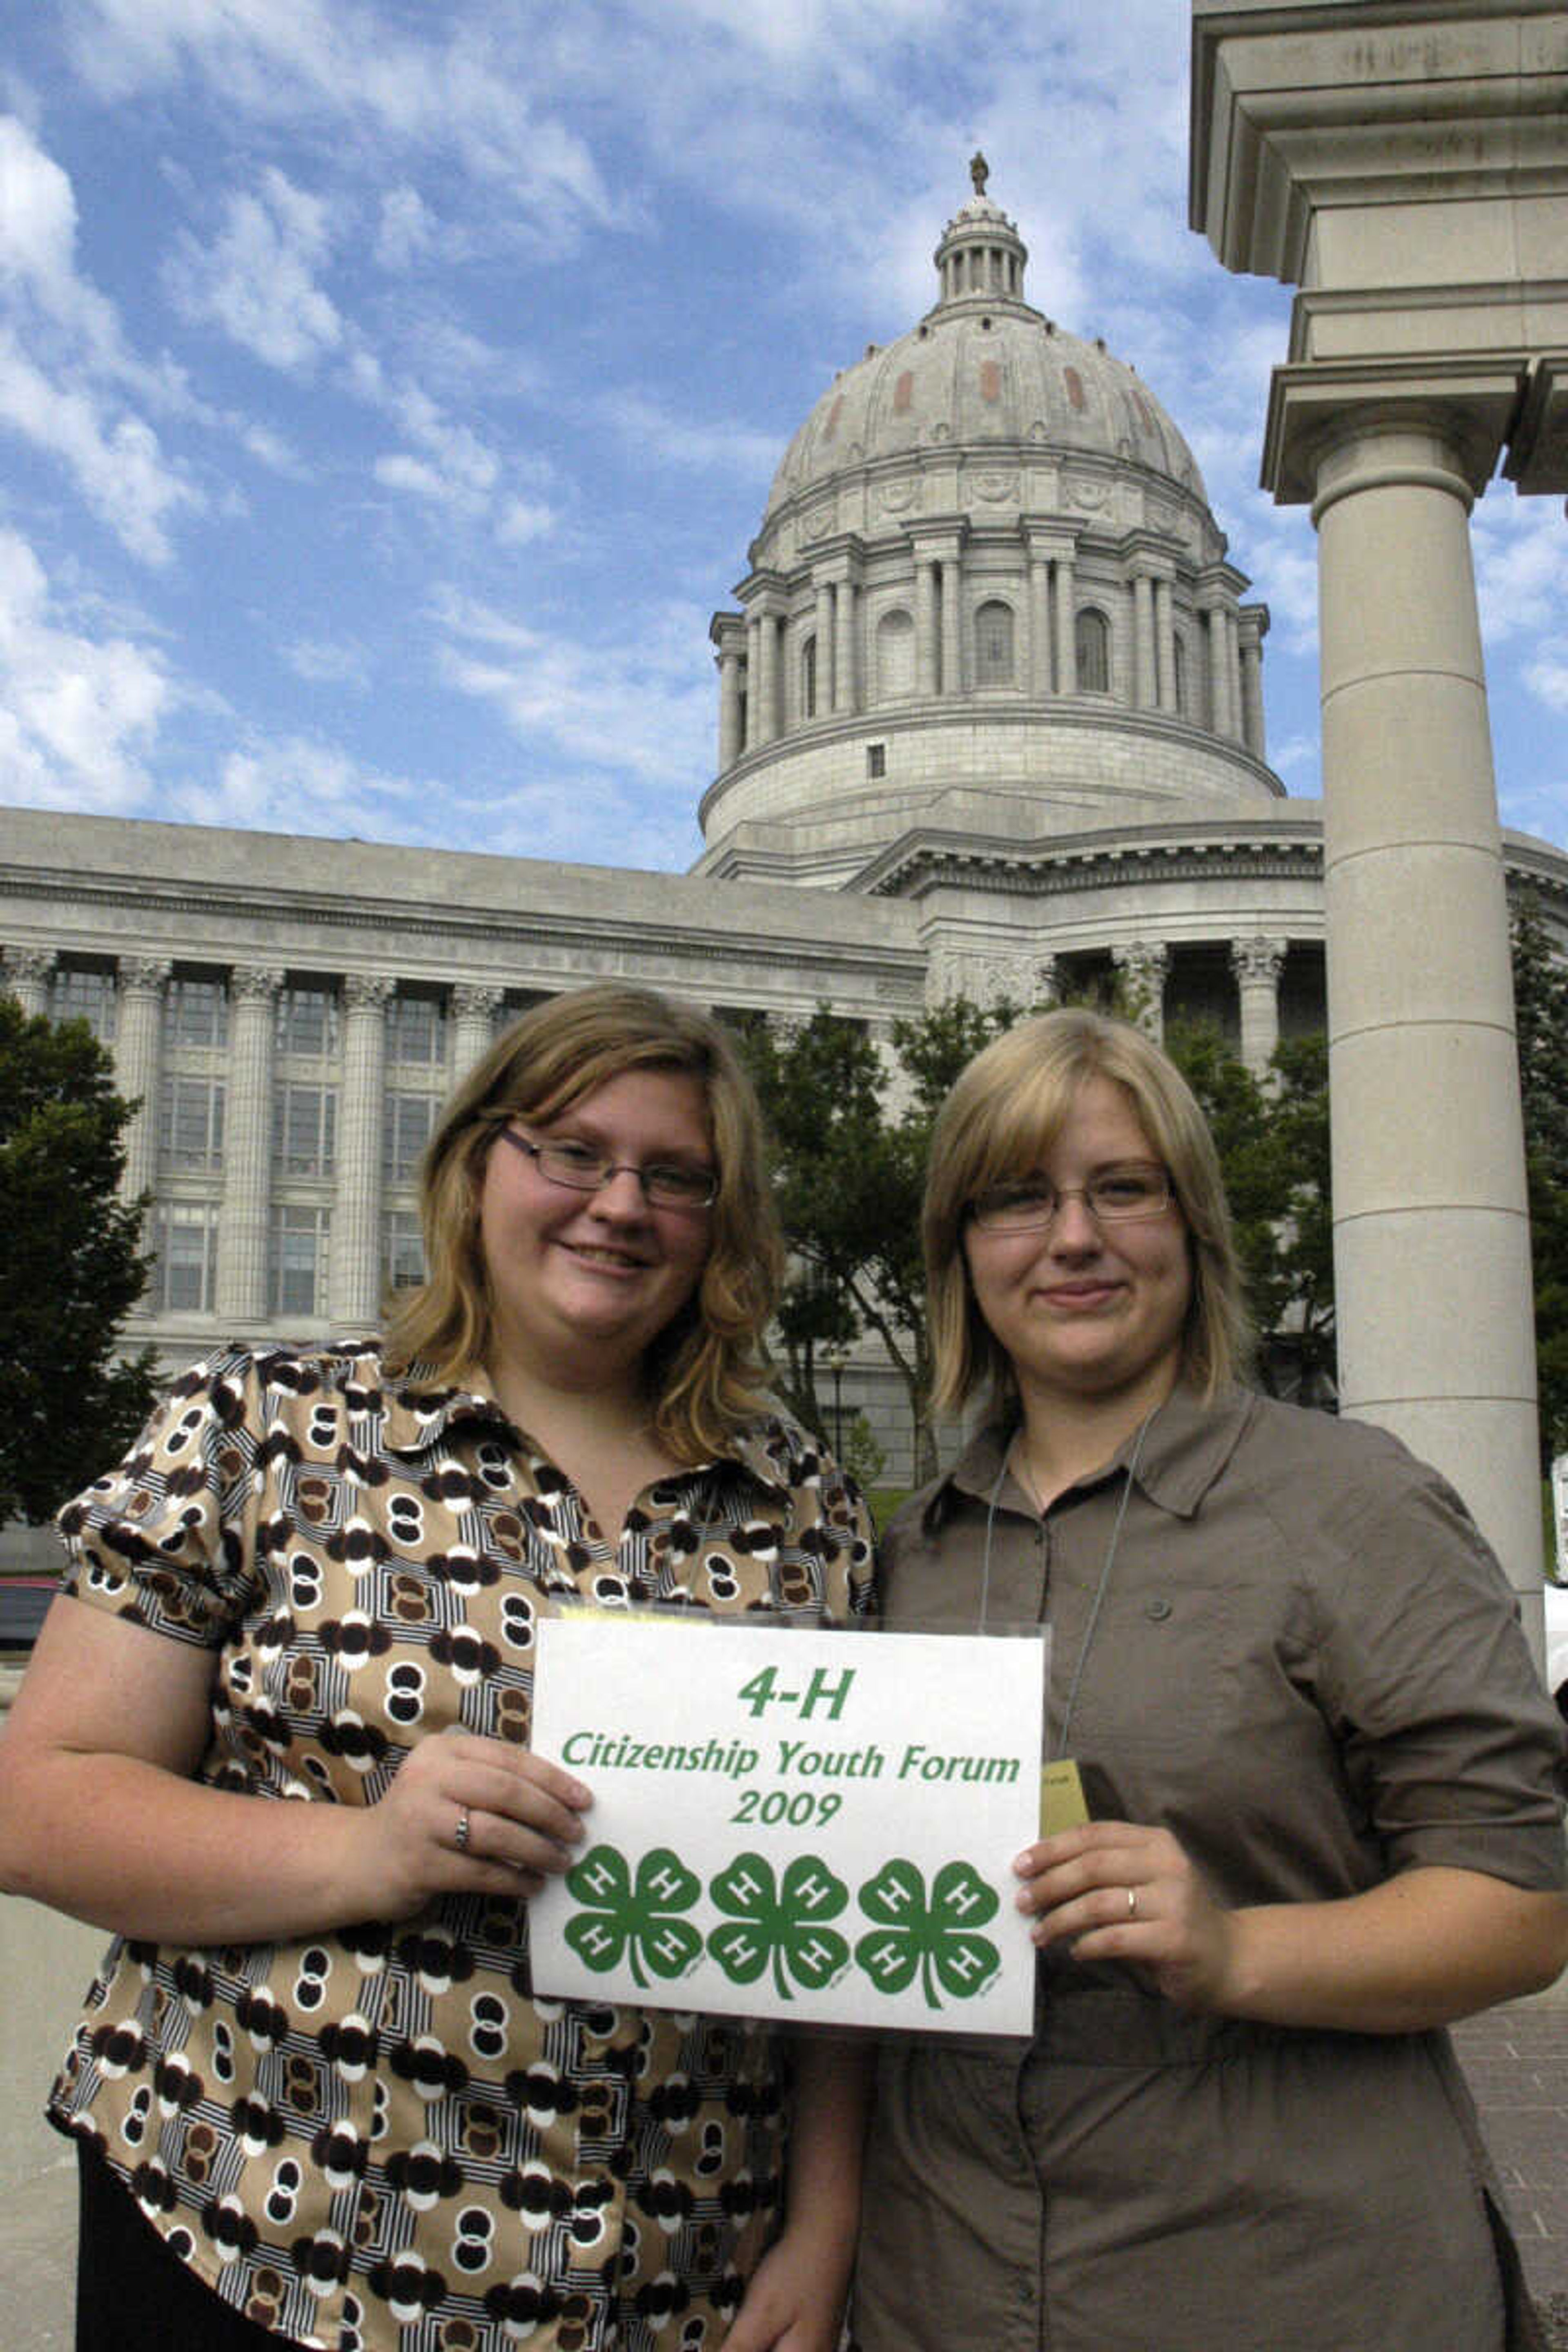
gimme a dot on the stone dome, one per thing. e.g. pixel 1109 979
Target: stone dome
pixel 981 367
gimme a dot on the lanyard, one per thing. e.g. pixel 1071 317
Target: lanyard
pixel 1059 1747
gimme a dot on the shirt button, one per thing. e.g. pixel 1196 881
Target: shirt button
pixel 1156 1611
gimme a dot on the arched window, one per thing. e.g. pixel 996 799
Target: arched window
pixel 895 656
pixel 808 678
pixel 994 643
pixel 1092 632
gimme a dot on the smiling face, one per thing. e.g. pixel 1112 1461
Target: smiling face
pixel 1084 1310
pixel 583 1283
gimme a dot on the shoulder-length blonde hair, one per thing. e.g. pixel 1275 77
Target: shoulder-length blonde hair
pixel 1001 1117
pixel 703 1372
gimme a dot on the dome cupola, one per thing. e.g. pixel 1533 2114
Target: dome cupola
pixel 986 558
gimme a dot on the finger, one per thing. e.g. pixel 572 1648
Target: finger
pixel 515 1796
pixel 1104 1913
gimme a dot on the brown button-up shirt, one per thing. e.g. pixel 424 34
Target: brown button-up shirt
pixel 1302 1661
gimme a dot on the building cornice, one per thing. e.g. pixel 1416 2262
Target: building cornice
pixel 1280 848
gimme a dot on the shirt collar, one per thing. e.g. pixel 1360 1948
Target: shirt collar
pixel 421 1411
pixel 1186 1446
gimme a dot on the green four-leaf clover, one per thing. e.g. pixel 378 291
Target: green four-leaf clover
pixel 638 1920
pixel 936 1937
pixel 781 1923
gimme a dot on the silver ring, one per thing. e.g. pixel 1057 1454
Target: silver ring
pixel 461 1840
pixel 1132 1902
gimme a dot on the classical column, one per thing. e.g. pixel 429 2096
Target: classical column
pixel 754 680
pixel 1219 672
pixel 137 1042
pixel 1039 626
pixel 1233 672
pixel 1144 964
pixel 1257 964
pixel 1066 626
pixel 1145 690
pixel 730 742
pixel 474 1010
pixel 846 695
pixel 951 626
pixel 825 648
pixel 767 679
pixel 1254 625
pixel 927 672
pixel 1164 645
pixel 241 1291
pixel 26 978
pixel 1431 1233
pixel 356 1203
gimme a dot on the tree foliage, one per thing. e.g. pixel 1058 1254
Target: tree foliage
pixel 1541 1022
pixel 70 1265
pixel 851 1143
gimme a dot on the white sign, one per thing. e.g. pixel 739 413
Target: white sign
pixel 814 1827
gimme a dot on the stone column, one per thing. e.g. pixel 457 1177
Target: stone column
pixel 1039 626
pixel 355 1287
pixel 1431 1233
pixel 825 648
pixel 138 1042
pixel 730 740
pixel 1254 625
pixel 1233 671
pixel 754 680
pixel 1219 672
pixel 845 693
pixel 26 977
pixel 1164 645
pixel 951 626
pixel 241 1291
pixel 1066 626
pixel 1145 689
pixel 474 1010
pixel 927 672
pixel 1257 964
pixel 766 679
pixel 1144 964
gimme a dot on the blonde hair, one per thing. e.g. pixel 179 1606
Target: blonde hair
pixel 1001 1117
pixel 703 1372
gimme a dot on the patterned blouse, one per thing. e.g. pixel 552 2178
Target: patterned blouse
pixel 377 2140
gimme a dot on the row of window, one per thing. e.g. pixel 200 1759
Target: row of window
pixel 183 1237
pixel 304 1127
pixel 308 1021
pixel 994 659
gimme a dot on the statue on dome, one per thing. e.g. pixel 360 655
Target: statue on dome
pixel 979 172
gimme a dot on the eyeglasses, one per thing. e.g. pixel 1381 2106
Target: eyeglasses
pixel 666 1184
pixel 1116 1196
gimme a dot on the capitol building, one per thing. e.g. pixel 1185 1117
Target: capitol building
pixel 990 720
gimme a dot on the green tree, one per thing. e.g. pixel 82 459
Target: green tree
pixel 70 1265
pixel 850 1157
pixel 1273 1144
pixel 1540 1021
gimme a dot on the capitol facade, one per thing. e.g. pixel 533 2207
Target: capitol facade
pixel 990 720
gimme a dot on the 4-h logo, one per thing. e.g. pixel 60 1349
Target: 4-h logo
pixel 782 1926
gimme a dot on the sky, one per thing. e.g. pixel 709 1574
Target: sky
pixel 389 389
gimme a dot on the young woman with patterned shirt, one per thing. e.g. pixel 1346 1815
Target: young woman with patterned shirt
pixel 317 2100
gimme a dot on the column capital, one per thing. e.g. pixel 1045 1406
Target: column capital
pixel 727 632
pixel 35 965
pixel 1252 623
pixel 1316 406
pixel 368 991
pixel 472 1001
pixel 938 539
pixel 1537 455
pixel 1258 960
pixel 147 975
pixel 1049 540
pixel 256 983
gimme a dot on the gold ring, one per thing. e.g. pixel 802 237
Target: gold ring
pixel 461 1840
pixel 1132 1902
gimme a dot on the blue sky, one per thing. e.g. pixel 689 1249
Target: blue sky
pixel 388 392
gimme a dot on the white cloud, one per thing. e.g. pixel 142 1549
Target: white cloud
pixel 76 717
pixel 641 706
pixel 321 663
pixel 647 426
pixel 523 519
pixel 296 784
pixel 117 462
pixel 257 281
pixel 407 230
